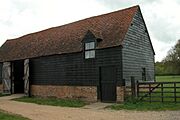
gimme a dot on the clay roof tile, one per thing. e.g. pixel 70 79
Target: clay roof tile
pixel 111 28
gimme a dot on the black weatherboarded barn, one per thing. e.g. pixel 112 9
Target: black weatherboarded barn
pixel 89 59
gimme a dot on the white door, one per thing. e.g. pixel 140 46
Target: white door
pixel 26 77
pixel 6 77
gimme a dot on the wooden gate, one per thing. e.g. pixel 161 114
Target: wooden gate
pixel 6 77
pixel 158 91
pixel 26 77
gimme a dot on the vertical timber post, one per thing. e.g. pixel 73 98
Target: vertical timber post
pixel 162 93
pixel 137 84
pixel 150 98
pixel 175 92
pixel 133 87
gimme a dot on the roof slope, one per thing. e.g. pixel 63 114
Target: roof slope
pixel 111 28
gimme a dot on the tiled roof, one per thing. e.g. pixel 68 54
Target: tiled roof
pixel 111 28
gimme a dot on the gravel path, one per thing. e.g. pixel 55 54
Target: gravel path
pixel 43 112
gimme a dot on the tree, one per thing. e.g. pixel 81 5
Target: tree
pixel 159 68
pixel 174 53
pixel 171 63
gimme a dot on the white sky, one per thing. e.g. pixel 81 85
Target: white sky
pixel 20 17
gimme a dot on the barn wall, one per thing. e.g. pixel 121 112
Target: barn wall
pixel 137 51
pixel 1 64
pixel 1 77
pixel 73 70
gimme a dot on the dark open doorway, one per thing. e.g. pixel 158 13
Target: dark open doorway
pixel 18 74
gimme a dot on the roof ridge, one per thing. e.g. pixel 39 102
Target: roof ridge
pixel 120 10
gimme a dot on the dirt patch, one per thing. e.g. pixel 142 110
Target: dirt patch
pixel 97 106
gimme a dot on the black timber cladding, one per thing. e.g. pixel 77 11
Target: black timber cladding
pixel 137 51
pixel 73 69
pixel 1 73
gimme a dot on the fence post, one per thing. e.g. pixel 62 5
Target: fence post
pixel 162 92
pixel 133 87
pixel 175 92
pixel 137 83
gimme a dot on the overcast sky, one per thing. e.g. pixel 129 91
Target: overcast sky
pixel 20 17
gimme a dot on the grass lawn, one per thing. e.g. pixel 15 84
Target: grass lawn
pixel 146 106
pixel 52 101
pixel 1 95
pixel 8 116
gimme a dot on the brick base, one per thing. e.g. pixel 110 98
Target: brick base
pixel 120 93
pixel 1 88
pixel 87 93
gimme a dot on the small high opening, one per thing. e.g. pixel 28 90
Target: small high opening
pixel 18 74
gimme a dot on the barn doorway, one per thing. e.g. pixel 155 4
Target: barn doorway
pixel 18 74
pixel 108 83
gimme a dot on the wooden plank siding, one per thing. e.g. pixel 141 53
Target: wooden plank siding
pixel 1 73
pixel 73 69
pixel 137 51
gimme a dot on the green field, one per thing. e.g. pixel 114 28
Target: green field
pixel 168 78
